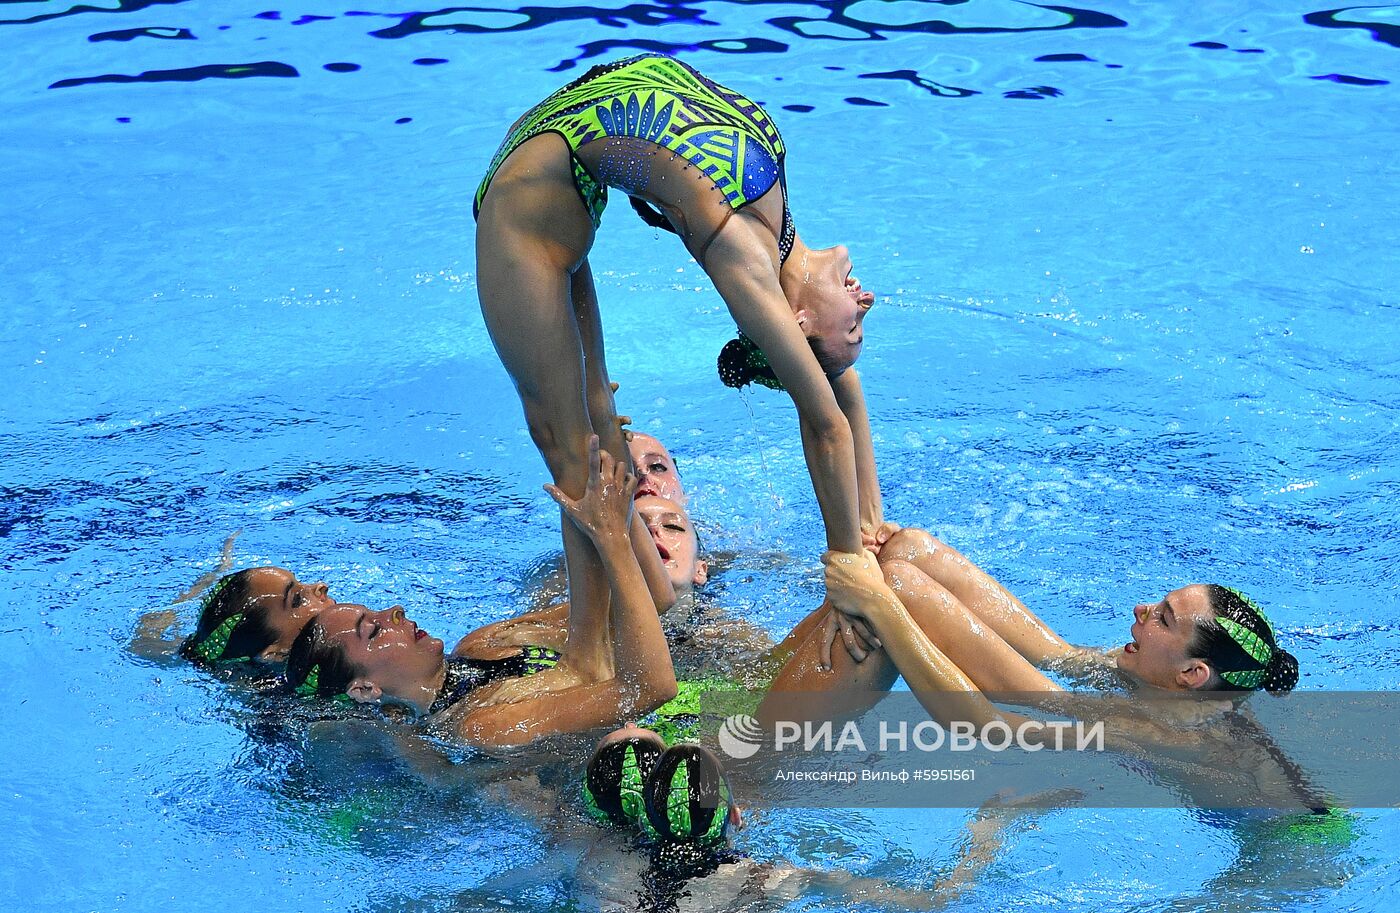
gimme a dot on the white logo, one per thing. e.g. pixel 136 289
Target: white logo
pixel 740 735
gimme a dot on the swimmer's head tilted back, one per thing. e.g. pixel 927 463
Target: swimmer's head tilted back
pixel 373 657
pixel 1206 637
pixel 688 797
pixel 253 614
pixel 689 808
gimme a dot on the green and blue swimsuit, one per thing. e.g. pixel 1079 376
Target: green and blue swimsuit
pixel 728 137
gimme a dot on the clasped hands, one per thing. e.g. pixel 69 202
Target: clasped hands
pixel 855 586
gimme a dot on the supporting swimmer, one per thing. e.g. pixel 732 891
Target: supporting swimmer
pixel 253 614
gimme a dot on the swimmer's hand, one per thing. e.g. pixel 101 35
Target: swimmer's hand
pixel 854 584
pixel 874 538
pixel 605 510
pixel 622 420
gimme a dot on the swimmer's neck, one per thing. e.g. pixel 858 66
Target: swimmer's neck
pixel 428 693
pixel 795 271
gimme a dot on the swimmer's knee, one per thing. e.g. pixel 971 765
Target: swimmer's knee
pixel 911 541
pixel 899 572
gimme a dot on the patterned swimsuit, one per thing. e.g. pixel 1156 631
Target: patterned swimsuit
pixel 663 101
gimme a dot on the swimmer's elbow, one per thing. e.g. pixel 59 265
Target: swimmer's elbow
pixel 828 430
pixel 656 689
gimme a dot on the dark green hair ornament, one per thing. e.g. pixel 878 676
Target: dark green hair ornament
pixel 211 649
pixel 311 683
pixel 1240 644
pixel 742 362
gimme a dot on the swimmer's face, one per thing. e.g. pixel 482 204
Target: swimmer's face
pixel 656 471
pixel 831 306
pixel 675 539
pixel 286 603
pixel 398 661
pixel 1161 634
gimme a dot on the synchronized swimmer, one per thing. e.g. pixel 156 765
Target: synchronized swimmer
pixel 708 164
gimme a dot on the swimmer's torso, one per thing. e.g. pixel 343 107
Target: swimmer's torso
pixel 662 132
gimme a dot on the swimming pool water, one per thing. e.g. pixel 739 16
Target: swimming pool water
pixel 1136 326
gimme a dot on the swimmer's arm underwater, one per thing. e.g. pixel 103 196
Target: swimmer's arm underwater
pixel 157 633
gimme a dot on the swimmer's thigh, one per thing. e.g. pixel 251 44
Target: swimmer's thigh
pixel 532 235
pixel 802 690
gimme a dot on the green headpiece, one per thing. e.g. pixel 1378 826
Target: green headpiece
pixel 211 649
pixel 1252 644
pixel 629 790
pixel 312 683
pixel 741 361
pixel 678 807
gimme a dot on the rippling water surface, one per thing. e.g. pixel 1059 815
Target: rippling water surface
pixel 1136 326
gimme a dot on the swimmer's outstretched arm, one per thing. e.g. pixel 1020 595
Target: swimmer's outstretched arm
pixel 641 657
pixel 157 633
pixel 850 397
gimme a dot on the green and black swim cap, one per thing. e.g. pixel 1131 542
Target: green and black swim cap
pixel 688 796
pixel 614 783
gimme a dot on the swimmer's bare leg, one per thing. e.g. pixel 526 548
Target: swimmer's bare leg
pixel 602 414
pixel 805 689
pixel 644 679
pixel 980 592
pixel 528 249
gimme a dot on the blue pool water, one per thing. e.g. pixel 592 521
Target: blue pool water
pixel 1136 326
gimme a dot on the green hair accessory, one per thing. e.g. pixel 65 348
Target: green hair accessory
pixel 1250 680
pixel 212 648
pixel 594 811
pixel 678 807
pixel 312 683
pixel 1252 644
pixel 741 361
pixel 633 805
pixel 1253 607
pixel 716 830
pixel 629 791
pixel 678 801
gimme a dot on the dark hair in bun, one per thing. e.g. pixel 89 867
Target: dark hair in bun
pixel 1240 646
pixel 742 362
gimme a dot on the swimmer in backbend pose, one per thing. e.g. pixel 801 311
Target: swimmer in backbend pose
pixel 711 162
pixel 384 658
